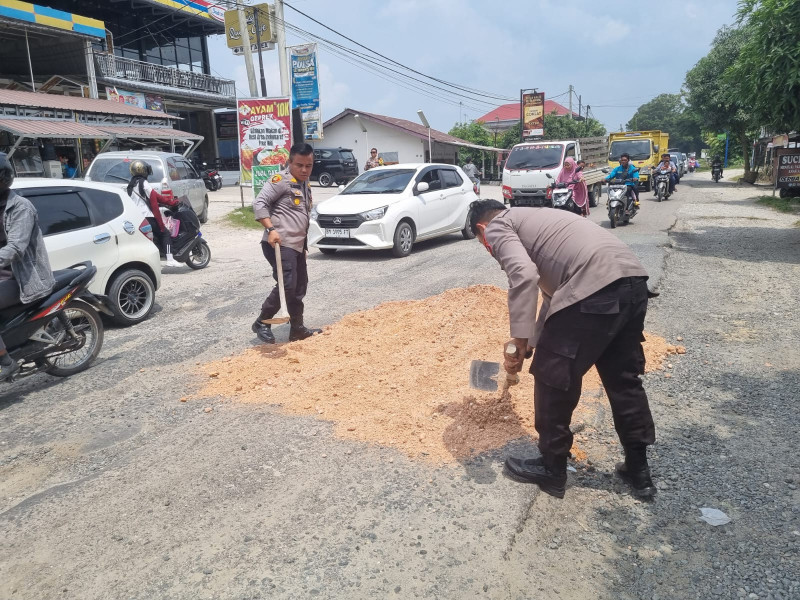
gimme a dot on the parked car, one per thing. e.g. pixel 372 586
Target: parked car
pixel 334 165
pixel 680 161
pixel 83 220
pixel 173 175
pixel 394 207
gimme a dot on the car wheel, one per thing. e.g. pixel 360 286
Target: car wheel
pixel 132 296
pixel 328 250
pixel 466 233
pixel 403 240
pixel 325 179
pixel 203 217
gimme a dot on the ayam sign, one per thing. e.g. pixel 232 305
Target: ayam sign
pixel 787 168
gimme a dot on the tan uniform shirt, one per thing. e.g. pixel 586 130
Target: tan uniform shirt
pixel 287 203
pixel 565 256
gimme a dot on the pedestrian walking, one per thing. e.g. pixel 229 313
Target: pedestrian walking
pixel 594 301
pixel 283 207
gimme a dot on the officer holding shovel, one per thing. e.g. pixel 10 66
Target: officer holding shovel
pixel 594 303
pixel 283 207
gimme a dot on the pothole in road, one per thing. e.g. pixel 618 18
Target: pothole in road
pixel 397 375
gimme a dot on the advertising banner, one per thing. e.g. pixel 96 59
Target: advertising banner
pixel 148 101
pixel 533 114
pixel 265 133
pixel 788 168
pixel 233 34
pixel 305 89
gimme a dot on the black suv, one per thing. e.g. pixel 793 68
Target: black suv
pixel 334 165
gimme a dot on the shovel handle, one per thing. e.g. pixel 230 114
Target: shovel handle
pixel 281 292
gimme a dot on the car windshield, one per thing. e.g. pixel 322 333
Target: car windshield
pixel 638 149
pixel 385 181
pixel 346 155
pixel 117 170
pixel 543 156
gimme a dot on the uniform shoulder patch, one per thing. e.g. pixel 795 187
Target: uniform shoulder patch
pixel 276 178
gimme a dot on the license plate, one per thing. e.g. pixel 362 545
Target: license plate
pixel 337 233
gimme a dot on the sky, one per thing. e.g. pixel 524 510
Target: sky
pixel 616 54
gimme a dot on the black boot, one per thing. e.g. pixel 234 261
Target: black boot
pixel 297 331
pixel 636 473
pixel 548 472
pixel 264 332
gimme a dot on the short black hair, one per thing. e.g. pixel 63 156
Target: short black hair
pixel 300 148
pixel 468 159
pixel 667 154
pixel 479 209
pixel 625 155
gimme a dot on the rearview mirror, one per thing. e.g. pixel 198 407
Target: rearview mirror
pixel 606 170
pixel 422 186
pixel 548 175
pixel 655 148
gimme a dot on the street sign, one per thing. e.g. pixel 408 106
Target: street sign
pixel 233 35
pixel 787 168
pixel 254 47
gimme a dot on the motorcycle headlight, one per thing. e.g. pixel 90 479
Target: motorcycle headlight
pixel 314 213
pixel 374 214
pixel 645 171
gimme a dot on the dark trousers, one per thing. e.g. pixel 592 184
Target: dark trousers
pixel 604 330
pixel 295 283
pixel 9 296
pixel 166 238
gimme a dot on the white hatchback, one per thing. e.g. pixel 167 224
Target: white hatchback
pixel 83 220
pixel 394 207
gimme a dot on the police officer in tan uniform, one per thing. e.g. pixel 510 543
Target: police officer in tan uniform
pixel 283 207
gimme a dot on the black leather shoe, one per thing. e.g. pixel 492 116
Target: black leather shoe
pixel 301 333
pixel 264 332
pixel 550 474
pixel 635 472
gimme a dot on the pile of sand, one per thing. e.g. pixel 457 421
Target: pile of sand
pixel 398 375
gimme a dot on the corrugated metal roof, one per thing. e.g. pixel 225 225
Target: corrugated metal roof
pixel 86 105
pixel 510 112
pixel 141 132
pixel 51 128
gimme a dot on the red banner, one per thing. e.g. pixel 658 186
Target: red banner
pixel 265 129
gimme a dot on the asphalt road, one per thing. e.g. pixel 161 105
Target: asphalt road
pixel 110 487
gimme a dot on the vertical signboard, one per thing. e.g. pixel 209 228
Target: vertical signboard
pixel 532 114
pixel 305 89
pixel 234 36
pixel 264 138
pixel 787 170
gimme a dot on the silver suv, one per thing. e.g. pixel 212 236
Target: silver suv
pixel 173 175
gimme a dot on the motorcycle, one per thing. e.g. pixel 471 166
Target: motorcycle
pixel 60 334
pixel 561 196
pixel 662 184
pixel 621 208
pixel 716 173
pixel 211 178
pixel 188 246
pixel 692 166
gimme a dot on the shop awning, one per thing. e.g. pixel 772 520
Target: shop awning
pixel 141 132
pixel 51 128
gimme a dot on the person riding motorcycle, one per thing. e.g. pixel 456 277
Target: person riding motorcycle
pixel 571 175
pixel 626 171
pixel 666 163
pixel 25 273
pixel 716 163
pixel 147 199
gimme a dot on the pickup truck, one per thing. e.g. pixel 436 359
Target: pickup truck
pixel 525 173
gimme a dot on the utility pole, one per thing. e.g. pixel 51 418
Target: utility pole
pixel 281 42
pixel 248 53
pixel 579 106
pixel 260 56
pixel 570 101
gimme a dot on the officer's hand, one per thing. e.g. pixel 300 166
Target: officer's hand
pixel 513 361
pixel 274 238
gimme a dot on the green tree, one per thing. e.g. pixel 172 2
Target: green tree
pixel 667 112
pixel 716 97
pixel 474 133
pixel 768 66
pixel 556 128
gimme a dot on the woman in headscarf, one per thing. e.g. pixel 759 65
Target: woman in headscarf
pixel 572 176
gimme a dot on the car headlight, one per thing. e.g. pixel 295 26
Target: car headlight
pixel 374 214
pixel 314 213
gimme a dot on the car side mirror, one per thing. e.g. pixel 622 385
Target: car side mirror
pixel 606 170
pixel 656 147
pixel 548 175
pixel 422 186
pixel 341 188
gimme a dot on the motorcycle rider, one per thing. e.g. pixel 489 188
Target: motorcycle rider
pixel 471 170
pixel 626 171
pixel 666 163
pixel 25 274
pixel 716 163
pixel 147 199
pixel 572 176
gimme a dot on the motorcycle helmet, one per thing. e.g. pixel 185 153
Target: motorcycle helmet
pixel 139 167
pixel 6 172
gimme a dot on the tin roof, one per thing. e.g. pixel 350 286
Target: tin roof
pixel 51 128
pixel 142 132
pixel 77 104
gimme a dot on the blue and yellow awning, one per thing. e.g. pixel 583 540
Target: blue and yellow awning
pixel 50 17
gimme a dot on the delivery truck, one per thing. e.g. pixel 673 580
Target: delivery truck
pixel 644 148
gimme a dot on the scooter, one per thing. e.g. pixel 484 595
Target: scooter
pixel 561 196
pixel 60 334
pixel 662 184
pixel 716 173
pixel 211 178
pixel 621 208
pixel 188 246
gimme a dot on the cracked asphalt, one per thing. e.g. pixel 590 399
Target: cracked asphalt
pixel 110 487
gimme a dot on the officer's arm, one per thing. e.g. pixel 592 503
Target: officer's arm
pixel 262 205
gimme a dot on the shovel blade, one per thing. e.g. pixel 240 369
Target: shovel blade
pixel 483 375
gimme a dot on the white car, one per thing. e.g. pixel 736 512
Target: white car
pixel 81 221
pixel 393 207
